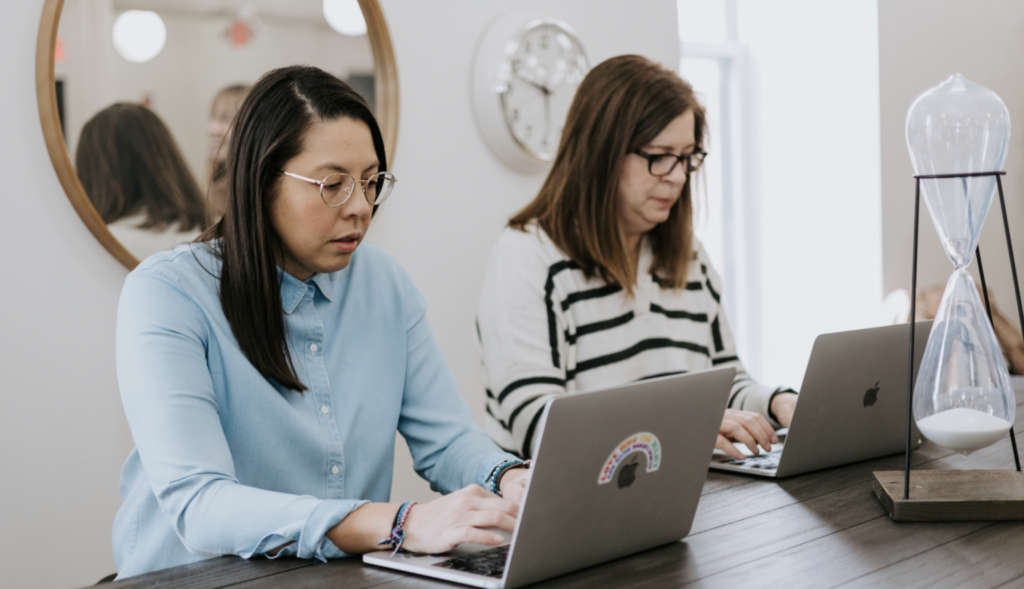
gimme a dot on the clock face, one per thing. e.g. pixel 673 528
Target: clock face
pixel 540 74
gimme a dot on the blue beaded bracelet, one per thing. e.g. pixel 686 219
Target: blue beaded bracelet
pixel 495 477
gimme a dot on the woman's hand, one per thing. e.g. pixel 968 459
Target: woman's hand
pixel 513 484
pixel 464 516
pixel 748 428
pixel 783 406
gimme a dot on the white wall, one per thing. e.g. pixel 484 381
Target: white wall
pixel 453 196
pixel 812 188
pixel 921 43
pixel 62 432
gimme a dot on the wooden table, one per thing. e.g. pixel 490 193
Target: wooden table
pixel 822 529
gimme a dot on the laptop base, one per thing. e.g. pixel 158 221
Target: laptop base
pixel 426 564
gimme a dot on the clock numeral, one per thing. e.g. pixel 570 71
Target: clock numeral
pixel 529 131
pixel 544 41
pixel 515 114
pixel 517 65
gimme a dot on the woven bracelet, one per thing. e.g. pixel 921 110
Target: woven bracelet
pixel 397 536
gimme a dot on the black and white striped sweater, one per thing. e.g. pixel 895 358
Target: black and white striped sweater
pixel 545 330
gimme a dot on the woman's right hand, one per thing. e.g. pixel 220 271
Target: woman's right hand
pixel 465 516
pixel 746 427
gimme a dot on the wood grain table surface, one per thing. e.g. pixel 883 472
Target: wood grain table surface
pixel 822 529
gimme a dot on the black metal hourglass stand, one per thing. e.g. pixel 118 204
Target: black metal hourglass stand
pixel 984 289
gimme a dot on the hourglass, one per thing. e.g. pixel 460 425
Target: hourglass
pixel 963 399
pixel 957 134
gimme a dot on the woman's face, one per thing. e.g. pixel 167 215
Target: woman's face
pixel 314 236
pixel 223 112
pixel 646 200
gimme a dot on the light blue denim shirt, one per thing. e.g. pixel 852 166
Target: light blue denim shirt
pixel 229 462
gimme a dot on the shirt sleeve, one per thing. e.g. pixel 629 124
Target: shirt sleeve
pixel 169 400
pixel 747 394
pixel 448 448
pixel 521 328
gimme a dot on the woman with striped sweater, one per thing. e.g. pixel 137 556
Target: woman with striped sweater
pixel 599 281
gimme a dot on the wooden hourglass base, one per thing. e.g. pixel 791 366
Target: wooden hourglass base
pixel 952 495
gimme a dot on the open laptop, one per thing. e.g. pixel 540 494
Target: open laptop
pixel 615 473
pixel 853 404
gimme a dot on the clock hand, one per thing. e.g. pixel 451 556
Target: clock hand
pixel 547 115
pixel 531 82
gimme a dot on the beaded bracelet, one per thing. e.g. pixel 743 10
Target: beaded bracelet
pixel 397 536
pixel 495 477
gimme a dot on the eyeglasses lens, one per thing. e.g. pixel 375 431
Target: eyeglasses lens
pixel 379 187
pixel 336 188
pixel 663 165
pixel 695 161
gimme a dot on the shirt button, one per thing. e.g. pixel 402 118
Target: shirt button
pixel 324 409
pixel 335 469
pixel 313 348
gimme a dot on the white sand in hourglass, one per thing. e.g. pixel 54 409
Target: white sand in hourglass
pixel 963 430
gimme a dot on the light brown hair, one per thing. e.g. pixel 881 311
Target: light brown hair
pixel 228 100
pixel 1007 336
pixel 621 106
pixel 129 163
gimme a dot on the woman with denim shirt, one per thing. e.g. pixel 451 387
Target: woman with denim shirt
pixel 265 369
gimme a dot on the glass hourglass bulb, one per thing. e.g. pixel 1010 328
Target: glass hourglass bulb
pixel 962 399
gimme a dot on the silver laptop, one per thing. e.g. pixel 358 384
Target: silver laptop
pixel 853 404
pixel 615 473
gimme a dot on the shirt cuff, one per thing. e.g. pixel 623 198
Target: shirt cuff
pixel 778 391
pixel 309 538
pixel 487 466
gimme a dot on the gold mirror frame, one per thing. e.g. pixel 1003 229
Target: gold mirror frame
pixel 385 87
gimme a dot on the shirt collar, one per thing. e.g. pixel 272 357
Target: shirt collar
pixel 293 289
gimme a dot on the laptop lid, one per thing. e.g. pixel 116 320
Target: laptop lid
pixel 617 471
pixel 853 401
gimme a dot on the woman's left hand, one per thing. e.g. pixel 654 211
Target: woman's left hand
pixel 783 406
pixel 513 484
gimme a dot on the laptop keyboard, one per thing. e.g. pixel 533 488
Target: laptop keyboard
pixel 490 563
pixel 766 461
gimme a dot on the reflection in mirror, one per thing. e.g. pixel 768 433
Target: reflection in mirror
pixel 147 136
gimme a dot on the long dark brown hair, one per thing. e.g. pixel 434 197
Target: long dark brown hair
pixel 621 106
pixel 268 132
pixel 129 163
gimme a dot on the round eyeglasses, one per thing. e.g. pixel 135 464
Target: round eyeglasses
pixel 662 164
pixel 336 189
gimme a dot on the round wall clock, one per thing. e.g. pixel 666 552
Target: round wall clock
pixel 526 74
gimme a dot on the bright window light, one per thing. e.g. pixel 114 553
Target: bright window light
pixel 139 35
pixel 345 16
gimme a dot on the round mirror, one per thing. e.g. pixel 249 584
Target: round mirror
pixel 136 99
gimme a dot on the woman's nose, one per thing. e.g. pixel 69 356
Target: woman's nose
pixel 357 205
pixel 678 175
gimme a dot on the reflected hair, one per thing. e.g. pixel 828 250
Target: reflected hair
pixel 620 107
pixel 269 130
pixel 129 164
pixel 228 99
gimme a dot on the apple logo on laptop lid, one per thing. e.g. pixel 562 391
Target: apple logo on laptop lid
pixel 641 443
pixel 627 473
pixel 871 397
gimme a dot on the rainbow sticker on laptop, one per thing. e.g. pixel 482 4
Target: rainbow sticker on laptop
pixel 644 442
